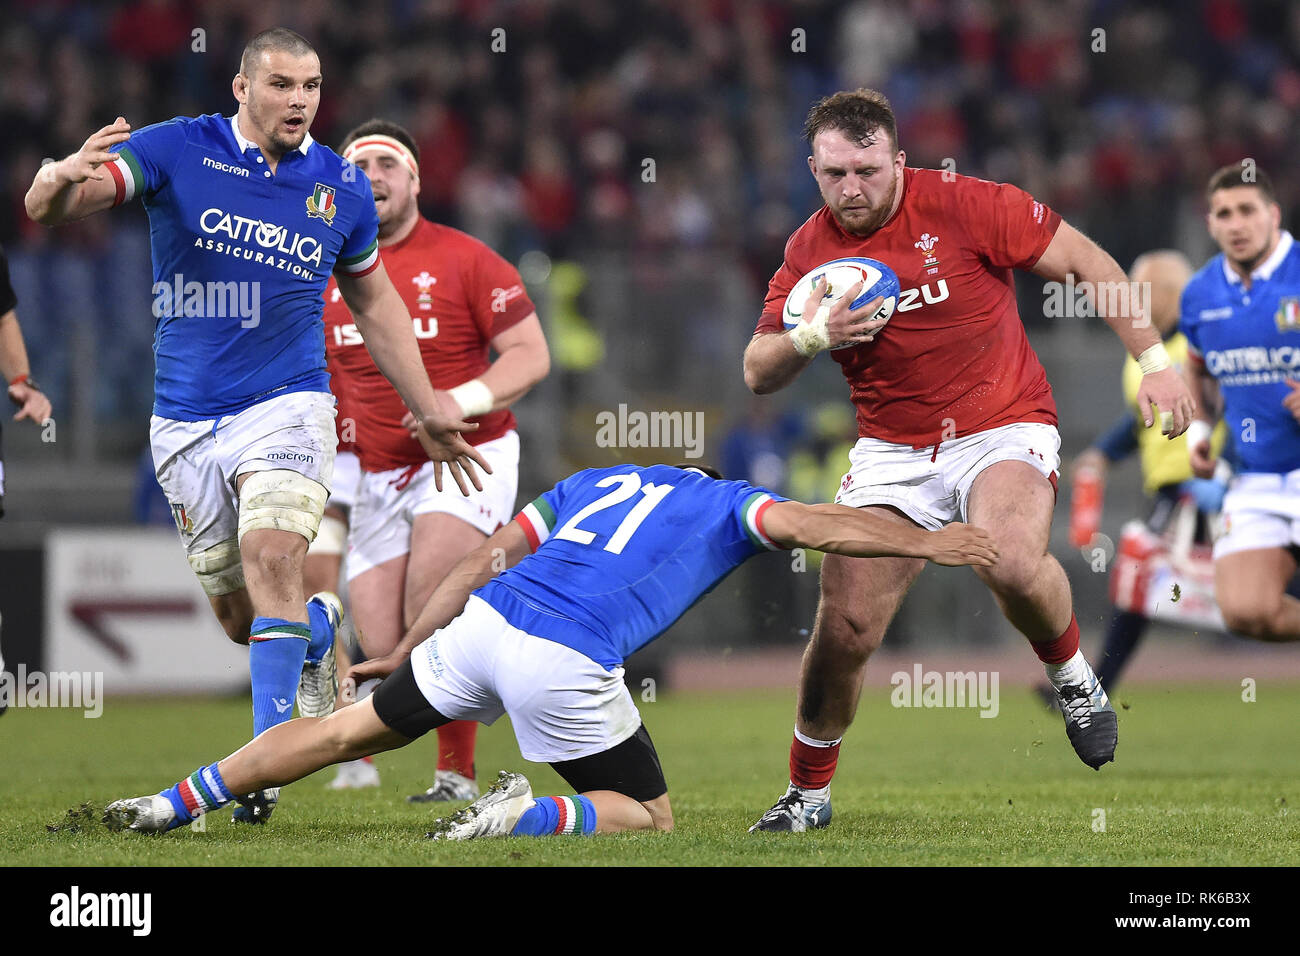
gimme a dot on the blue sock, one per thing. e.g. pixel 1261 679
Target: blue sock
pixel 555 815
pixel 276 652
pixel 199 793
pixel 322 632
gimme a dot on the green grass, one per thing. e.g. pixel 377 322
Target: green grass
pixel 1202 778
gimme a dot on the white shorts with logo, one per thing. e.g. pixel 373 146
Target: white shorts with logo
pixel 563 705
pixel 347 480
pixel 932 486
pixel 197 462
pixel 1260 511
pixel 388 502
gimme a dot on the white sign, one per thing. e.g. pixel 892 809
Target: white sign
pixel 124 602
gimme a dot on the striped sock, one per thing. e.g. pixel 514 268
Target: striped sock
pixel 551 816
pixel 200 792
pixel 276 652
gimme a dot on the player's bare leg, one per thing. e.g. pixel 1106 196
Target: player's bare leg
pixel 377 603
pixel 1014 501
pixel 290 641
pixel 438 542
pixel 1251 590
pixel 234 611
pixel 376 598
pixel 281 755
pixel 859 597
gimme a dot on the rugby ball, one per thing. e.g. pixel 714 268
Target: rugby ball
pixel 877 280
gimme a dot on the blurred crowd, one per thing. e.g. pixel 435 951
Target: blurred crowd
pixel 579 127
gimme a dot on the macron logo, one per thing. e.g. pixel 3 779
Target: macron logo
pixel 211 163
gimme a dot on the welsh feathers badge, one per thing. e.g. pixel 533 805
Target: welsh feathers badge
pixel 320 204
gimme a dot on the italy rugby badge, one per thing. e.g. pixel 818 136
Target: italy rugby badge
pixel 320 204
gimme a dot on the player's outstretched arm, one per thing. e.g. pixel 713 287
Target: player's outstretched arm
pixel 504 549
pixel 78 186
pixel 860 534
pixel 385 325
pixel 1071 253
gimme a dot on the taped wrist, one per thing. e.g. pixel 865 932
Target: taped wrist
pixel 812 336
pixel 1154 359
pixel 1198 431
pixel 473 397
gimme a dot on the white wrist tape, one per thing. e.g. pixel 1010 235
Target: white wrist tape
pixel 811 337
pixel 1198 431
pixel 1154 359
pixel 473 397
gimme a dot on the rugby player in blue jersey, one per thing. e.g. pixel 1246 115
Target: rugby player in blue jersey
pixel 248 217
pixel 1241 316
pixel 591 571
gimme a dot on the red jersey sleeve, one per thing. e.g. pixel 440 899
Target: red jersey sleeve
pixel 778 287
pixel 497 298
pixel 1007 227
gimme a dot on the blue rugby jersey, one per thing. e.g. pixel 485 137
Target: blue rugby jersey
pixel 621 553
pixel 241 258
pixel 1249 340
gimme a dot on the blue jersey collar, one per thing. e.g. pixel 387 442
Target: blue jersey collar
pixel 245 144
pixel 1267 267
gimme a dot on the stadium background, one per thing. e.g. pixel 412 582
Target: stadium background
pixel 642 163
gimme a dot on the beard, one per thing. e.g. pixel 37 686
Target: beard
pixel 867 220
pixel 1251 262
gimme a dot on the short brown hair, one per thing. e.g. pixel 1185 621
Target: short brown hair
pixel 276 39
pixel 1241 174
pixel 859 114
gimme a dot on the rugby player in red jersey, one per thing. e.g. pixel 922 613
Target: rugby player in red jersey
pixel 405 534
pixel 955 416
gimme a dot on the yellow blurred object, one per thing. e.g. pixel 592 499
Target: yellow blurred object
pixel 575 345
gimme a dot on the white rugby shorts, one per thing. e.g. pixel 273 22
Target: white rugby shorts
pixel 562 704
pixel 347 479
pixel 932 485
pixel 1260 511
pixel 197 462
pixel 388 502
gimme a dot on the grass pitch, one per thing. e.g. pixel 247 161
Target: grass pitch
pixel 1202 778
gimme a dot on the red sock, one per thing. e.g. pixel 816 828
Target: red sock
pixel 811 768
pixel 456 747
pixel 1060 650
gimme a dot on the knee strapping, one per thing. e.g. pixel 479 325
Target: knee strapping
pixel 218 568
pixel 281 500
pixel 332 538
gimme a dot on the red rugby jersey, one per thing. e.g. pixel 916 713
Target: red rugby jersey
pixel 460 295
pixel 954 358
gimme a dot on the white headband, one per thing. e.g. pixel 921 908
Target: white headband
pixel 385 146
